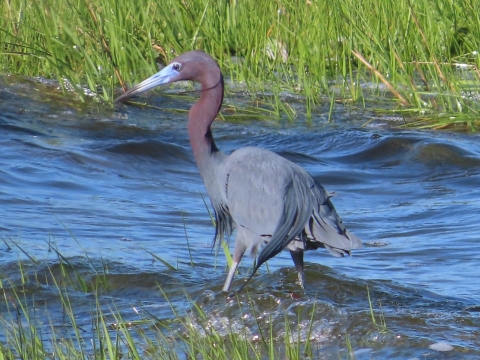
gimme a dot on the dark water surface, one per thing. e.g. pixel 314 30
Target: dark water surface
pixel 107 188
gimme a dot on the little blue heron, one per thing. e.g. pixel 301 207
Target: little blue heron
pixel 270 201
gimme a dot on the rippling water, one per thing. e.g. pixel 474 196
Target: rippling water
pixel 107 188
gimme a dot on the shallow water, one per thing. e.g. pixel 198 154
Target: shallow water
pixel 108 188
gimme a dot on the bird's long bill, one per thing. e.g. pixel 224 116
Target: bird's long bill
pixel 164 76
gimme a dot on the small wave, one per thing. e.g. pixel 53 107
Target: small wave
pixel 394 151
pixel 437 154
pixel 163 151
pixel 388 150
pixel 21 130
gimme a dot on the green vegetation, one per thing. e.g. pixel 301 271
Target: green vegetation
pixel 54 310
pixel 422 54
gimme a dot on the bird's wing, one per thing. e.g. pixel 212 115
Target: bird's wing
pixel 270 195
pixel 255 186
pixel 297 209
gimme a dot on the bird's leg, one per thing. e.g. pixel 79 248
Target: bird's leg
pixel 231 272
pixel 297 257
pixel 237 256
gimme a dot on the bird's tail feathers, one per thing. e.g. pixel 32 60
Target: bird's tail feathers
pixel 326 227
pixel 336 251
pixel 355 241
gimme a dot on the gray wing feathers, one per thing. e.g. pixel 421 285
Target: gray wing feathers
pixel 292 222
pixel 308 209
pixel 279 189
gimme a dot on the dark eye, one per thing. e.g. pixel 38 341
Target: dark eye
pixel 176 66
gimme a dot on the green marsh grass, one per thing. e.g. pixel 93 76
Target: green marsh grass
pixel 424 54
pixel 381 324
pixel 38 326
pixel 30 327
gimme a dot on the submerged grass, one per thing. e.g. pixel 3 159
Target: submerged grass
pixel 424 53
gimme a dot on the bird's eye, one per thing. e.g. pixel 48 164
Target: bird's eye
pixel 176 66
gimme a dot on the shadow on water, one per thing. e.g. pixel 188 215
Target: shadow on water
pixel 107 189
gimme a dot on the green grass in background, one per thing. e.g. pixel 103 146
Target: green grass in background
pixel 423 54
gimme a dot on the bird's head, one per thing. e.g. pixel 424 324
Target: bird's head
pixel 193 65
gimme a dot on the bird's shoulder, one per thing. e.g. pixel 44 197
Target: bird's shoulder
pixel 262 166
pixel 251 156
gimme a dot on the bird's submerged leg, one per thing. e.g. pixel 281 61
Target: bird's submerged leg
pixel 237 256
pixel 297 257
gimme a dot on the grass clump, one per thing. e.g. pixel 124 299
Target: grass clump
pixel 68 309
pixel 30 332
pixel 423 54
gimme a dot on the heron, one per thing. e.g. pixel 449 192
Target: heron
pixel 272 202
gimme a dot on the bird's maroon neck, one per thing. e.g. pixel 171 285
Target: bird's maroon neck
pixel 201 116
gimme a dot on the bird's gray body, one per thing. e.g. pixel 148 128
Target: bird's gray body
pixel 273 203
pixel 265 196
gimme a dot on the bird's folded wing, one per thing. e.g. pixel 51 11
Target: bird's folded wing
pixel 297 209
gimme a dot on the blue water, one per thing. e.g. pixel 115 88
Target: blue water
pixel 107 188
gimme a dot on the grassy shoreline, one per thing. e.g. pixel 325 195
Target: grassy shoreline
pixel 424 53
